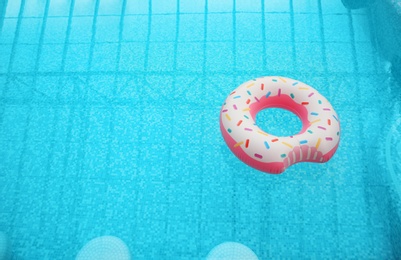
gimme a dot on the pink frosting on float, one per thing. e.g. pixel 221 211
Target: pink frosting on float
pixel 316 142
pixel 300 153
pixel 276 167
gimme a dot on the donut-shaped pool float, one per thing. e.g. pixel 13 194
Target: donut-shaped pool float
pixel 316 142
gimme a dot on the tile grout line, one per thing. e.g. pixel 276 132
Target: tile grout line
pixel 140 91
pixel 64 57
pixel 365 186
pixel 11 60
pixel 29 104
pixel 93 36
pixel 85 113
pixel 146 62
pixel 172 121
pixel 267 200
pixel 114 92
pixel 186 41
pixel 234 46
pixel 84 116
pixel 171 14
pixel 293 38
pixel 67 36
pixel 352 41
pixel 372 36
pixel 3 7
pixel 16 197
pixel 169 73
pixel 200 206
pixel 51 142
pixel 325 76
pixel 322 39
pixel 264 47
pixel 70 116
pixel 233 179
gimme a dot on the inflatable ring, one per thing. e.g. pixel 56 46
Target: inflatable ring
pixel 316 142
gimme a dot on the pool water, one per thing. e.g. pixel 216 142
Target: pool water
pixel 109 125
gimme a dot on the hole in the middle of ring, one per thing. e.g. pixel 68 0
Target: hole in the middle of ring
pixel 278 122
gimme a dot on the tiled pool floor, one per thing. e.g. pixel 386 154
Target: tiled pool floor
pixel 109 125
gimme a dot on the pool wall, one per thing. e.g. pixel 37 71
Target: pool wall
pixel 385 21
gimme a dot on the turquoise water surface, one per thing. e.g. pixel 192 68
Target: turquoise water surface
pixel 109 125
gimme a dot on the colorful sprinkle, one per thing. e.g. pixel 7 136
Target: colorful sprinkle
pixel 232 93
pixel 287 144
pixel 254 96
pixel 258 156
pixel 262 133
pixel 317 120
pixel 318 143
pixel 238 144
